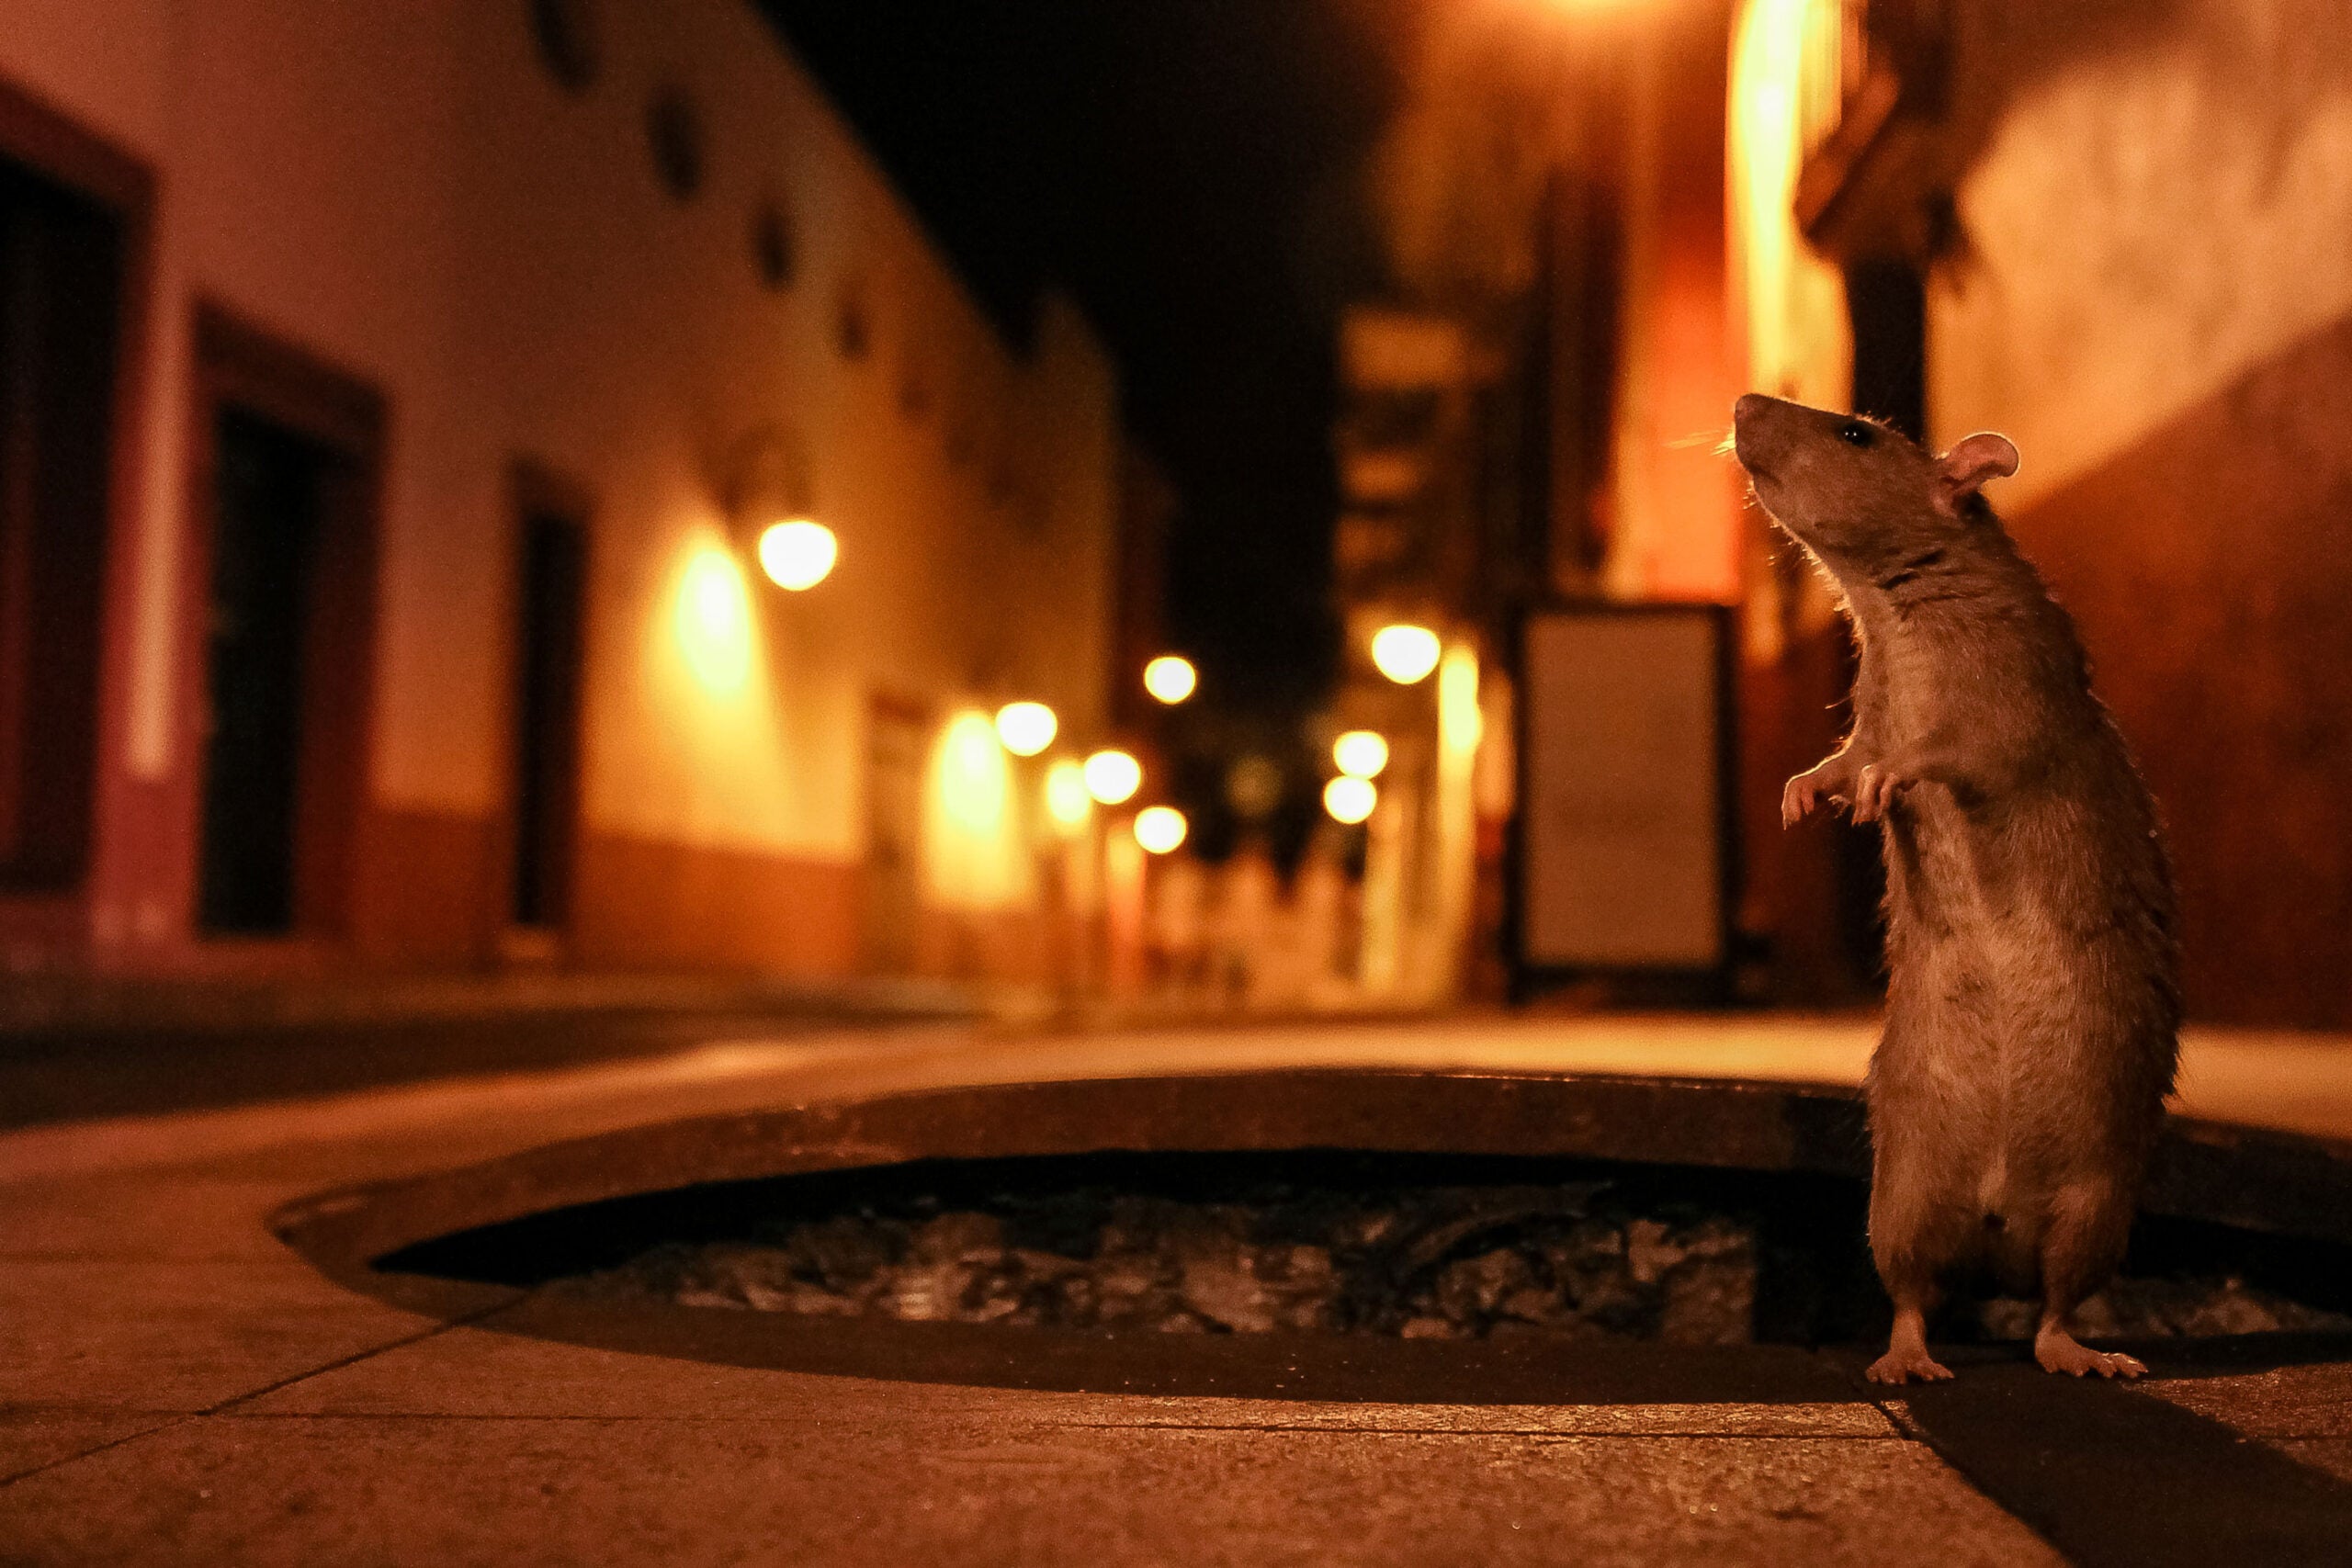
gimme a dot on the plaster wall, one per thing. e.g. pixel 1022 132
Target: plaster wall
pixel 405 191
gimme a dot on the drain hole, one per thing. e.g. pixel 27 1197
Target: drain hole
pixel 1332 1242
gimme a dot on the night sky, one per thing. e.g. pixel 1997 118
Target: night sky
pixel 1190 171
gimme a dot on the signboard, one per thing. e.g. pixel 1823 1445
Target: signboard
pixel 1623 821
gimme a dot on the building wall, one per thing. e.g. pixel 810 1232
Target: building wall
pixel 2150 290
pixel 2172 356
pixel 407 193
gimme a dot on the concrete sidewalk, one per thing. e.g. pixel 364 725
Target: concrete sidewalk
pixel 180 1388
pixel 73 1047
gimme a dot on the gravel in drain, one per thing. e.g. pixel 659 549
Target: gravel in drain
pixel 1576 1260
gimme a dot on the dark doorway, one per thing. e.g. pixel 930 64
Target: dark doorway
pixel 549 651
pixel 269 491
pixel 289 483
pixel 62 267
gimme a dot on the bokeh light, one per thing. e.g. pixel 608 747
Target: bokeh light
pixel 1067 801
pixel 797 554
pixel 1361 753
pixel 1113 777
pixel 1405 653
pixel 1350 799
pixel 1161 828
pixel 1026 728
pixel 1170 679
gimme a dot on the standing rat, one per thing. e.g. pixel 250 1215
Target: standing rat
pixel 2032 1004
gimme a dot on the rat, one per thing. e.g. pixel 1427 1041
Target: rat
pixel 2033 1005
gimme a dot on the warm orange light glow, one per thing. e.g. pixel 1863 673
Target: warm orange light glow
pixel 1067 801
pixel 1350 799
pixel 1459 724
pixel 1169 678
pixel 1026 728
pixel 1360 753
pixel 971 772
pixel 973 852
pixel 1113 777
pixel 797 554
pixel 1405 653
pixel 714 620
pixel 1161 828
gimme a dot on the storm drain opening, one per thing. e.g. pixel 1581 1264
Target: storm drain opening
pixel 1335 1243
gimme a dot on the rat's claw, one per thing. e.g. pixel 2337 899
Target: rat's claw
pixel 1798 797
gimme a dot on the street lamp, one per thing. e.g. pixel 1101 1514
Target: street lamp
pixel 1113 777
pixel 1350 799
pixel 1159 828
pixel 1171 677
pixel 797 554
pixel 1026 728
pixel 1360 753
pixel 1405 653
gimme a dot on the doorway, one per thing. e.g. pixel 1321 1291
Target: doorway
pixel 62 260
pixel 550 654
pixel 287 483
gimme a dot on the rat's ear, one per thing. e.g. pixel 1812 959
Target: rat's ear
pixel 1963 471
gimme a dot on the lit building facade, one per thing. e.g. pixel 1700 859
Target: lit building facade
pixel 2119 239
pixel 385 585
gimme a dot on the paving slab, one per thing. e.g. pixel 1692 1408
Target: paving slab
pixel 33 1436
pixel 191 1216
pixel 2333 1455
pixel 2309 1401
pixel 177 1337
pixel 479 1374
pixel 303 1490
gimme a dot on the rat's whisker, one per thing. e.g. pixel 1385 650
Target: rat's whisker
pixel 1718 436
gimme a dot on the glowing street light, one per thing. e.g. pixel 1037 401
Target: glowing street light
pixel 1170 679
pixel 1067 801
pixel 1405 653
pixel 1350 799
pixel 797 554
pixel 1026 728
pixel 1159 828
pixel 1113 777
pixel 1360 753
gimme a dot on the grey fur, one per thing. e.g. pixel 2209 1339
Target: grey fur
pixel 2032 998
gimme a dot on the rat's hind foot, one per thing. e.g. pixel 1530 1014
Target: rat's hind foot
pixel 1902 1364
pixel 2059 1351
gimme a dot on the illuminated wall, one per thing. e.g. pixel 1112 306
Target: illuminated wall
pixel 409 193
pixel 1788 303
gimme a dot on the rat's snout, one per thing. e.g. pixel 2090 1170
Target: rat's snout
pixel 1756 432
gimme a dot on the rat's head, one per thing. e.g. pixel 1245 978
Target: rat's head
pixel 1856 492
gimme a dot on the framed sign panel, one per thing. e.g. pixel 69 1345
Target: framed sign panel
pixel 1624 848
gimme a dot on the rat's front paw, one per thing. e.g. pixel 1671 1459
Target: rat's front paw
pixel 1802 793
pixel 1875 789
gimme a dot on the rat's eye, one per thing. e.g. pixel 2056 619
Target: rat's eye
pixel 1857 433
